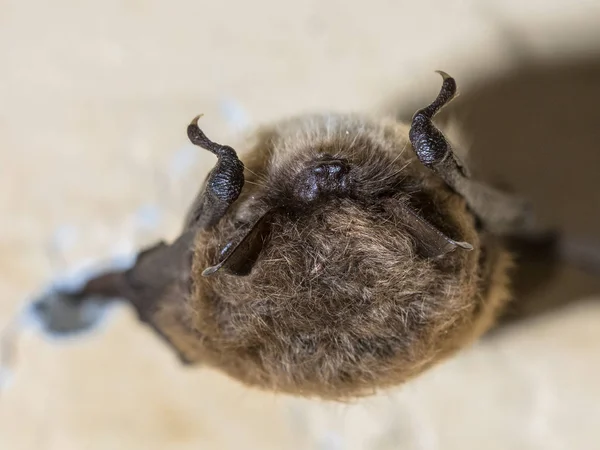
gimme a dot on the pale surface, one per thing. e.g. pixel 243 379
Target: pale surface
pixel 94 99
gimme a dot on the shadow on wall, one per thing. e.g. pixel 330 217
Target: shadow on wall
pixel 536 129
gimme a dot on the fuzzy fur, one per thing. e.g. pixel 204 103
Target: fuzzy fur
pixel 338 303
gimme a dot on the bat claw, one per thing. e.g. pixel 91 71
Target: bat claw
pixel 444 75
pixel 195 120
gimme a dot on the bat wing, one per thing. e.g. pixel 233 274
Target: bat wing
pixel 429 240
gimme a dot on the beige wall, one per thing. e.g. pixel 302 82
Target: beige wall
pixel 94 99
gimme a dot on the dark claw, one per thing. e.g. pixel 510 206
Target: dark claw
pixel 429 143
pixel 223 185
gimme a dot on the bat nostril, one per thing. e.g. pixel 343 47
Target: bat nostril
pixel 331 168
pixel 334 168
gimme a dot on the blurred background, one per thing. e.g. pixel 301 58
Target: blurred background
pixel 94 162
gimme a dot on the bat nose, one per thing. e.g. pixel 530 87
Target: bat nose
pixel 333 169
pixel 323 177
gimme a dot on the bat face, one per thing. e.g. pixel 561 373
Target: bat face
pixel 310 165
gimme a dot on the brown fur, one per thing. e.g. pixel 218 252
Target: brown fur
pixel 338 303
pixel 342 265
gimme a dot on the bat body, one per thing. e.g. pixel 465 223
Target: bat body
pixel 345 254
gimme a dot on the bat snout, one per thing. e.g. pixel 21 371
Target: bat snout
pixel 323 177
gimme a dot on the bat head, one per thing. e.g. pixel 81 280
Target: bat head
pixel 342 166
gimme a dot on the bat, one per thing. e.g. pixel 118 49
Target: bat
pixel 344 255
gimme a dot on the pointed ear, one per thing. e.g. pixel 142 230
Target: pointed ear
pixel 238 256
pixel 430 242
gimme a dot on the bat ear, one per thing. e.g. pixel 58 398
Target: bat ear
pixel 238 256
pixel 430 241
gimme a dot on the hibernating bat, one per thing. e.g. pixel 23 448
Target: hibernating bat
pixel 359 253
